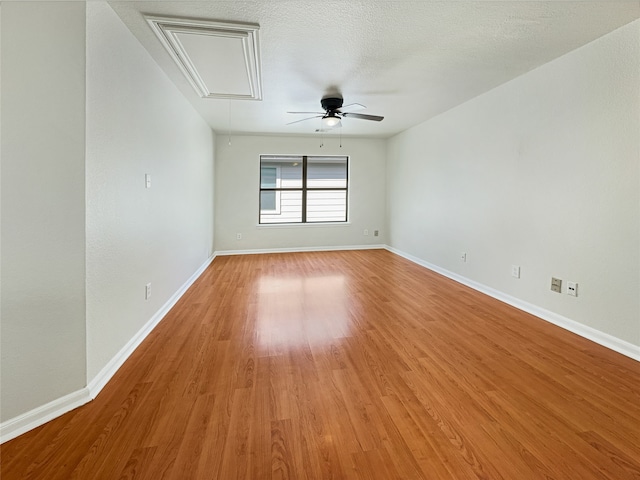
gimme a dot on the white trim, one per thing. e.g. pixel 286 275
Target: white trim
pixel 167 30
pixel 299 249
pixel 305 225
pixel 609 341
pixel 109 370
pixel 40 415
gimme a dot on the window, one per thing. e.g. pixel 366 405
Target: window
pixel 303 189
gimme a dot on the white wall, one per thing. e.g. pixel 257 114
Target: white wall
pixel 542 172
pixel 43 250
pixel 237 184
pixel 138 123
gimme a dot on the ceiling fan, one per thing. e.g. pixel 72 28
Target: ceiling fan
pixel 334 112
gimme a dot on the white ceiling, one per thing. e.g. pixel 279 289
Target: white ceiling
pixel 407 60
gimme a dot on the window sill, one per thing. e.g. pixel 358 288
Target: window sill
pixel 303 225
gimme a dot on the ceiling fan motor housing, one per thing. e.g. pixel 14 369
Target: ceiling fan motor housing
pixel 330 104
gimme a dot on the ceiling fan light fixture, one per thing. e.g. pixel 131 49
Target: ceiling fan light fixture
pixel 330 121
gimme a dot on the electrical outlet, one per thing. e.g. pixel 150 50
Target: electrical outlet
pixel 376 233
pixel 463 257
pixel 515 271
pixel 572 289
pixel 556 285
pixel 366 232
pixel 147 291
pixel 238 236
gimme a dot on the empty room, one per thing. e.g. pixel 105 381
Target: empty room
pixel 278 239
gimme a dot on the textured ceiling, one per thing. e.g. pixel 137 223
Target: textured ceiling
pixel 406 60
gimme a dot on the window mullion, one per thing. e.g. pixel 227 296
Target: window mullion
pixel 304 189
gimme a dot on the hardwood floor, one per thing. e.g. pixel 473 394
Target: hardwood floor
pixel 347 365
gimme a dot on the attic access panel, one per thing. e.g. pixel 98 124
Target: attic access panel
pixel 220 60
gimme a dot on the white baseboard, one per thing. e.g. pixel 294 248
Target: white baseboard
pixel 299 249
pixel 601 338
pixel 109 370
pixel 41 415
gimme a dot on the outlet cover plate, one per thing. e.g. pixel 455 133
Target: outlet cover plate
pixel 515 271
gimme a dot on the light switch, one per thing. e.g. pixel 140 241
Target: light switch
pixel 147 180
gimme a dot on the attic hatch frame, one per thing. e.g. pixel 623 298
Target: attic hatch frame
pixel 167 30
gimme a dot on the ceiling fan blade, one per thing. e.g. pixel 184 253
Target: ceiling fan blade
pixel 352 107
pixel 304 119
pixel 308 113
pixel 361 116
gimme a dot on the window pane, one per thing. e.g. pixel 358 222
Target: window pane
pixel 268 177
pixel 268 201
pixel 327 206
pixel 327 172
pixel 287 170
pixel 290 210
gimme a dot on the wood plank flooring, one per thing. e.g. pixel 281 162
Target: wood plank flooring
pixel 347 365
